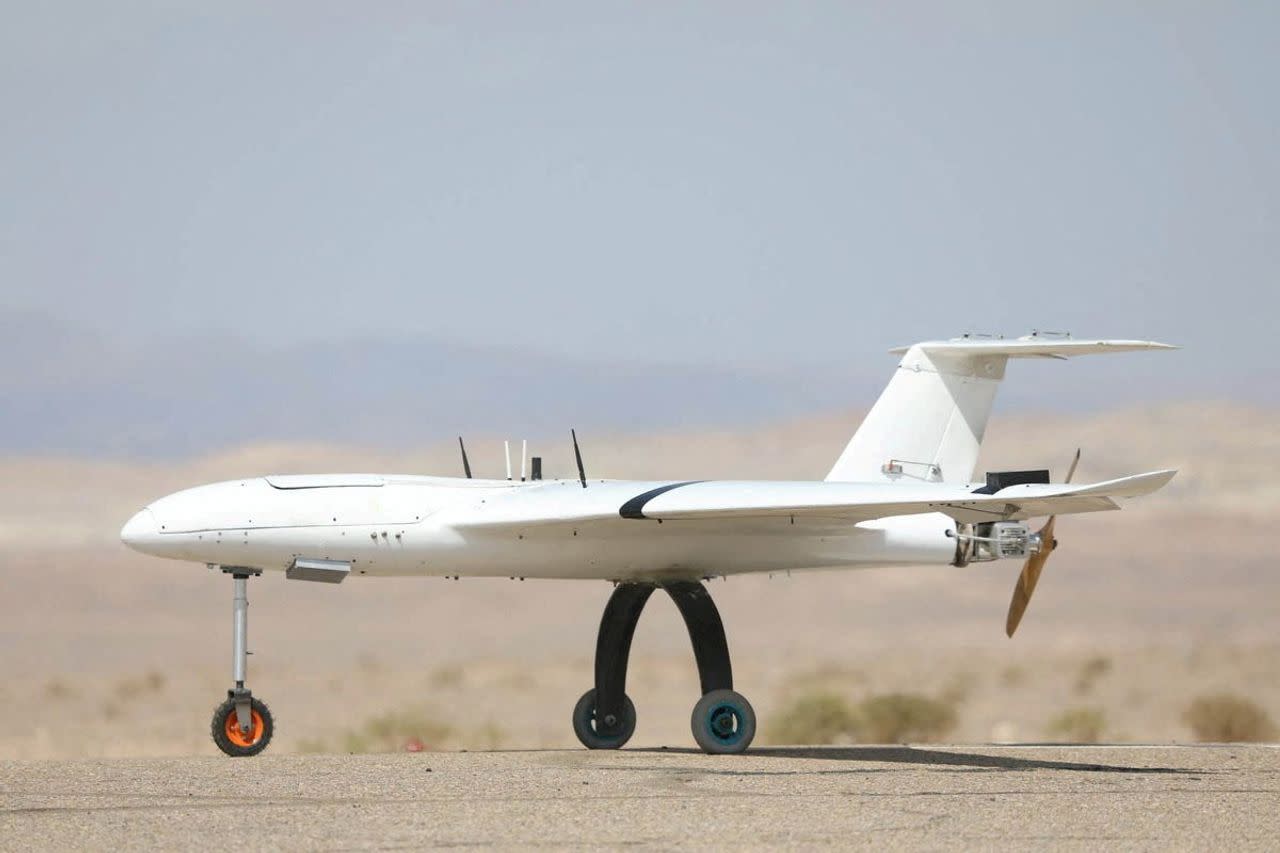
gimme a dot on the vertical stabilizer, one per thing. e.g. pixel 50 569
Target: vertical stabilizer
pixel 929 422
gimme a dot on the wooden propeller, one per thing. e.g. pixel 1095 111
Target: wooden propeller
pixel 1034 565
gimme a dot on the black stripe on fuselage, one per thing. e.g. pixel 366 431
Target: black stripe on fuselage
pixel 634 508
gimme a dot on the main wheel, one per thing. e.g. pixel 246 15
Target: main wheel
pixel 584 723
pixel 723 722
pixel 234 742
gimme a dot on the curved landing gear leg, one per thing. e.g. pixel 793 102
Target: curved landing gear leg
pixel 242 725
pixel 604 717
pixel 723 721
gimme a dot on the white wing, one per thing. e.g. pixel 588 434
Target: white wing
pixel 564 502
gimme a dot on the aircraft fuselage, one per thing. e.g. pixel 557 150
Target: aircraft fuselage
pixel 410 525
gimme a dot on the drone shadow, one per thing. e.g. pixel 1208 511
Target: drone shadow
pixel 935 758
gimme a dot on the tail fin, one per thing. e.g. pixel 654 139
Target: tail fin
pixel 929 422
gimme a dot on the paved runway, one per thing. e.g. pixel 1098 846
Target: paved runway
pixel 1224 797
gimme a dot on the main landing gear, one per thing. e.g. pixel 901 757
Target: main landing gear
pixel 723 721
pixel 242 725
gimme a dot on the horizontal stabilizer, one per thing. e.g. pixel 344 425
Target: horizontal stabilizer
pixel 1031 347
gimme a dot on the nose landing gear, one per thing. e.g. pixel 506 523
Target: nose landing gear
pixel 234 740
pixel 723 721
pixel 241 725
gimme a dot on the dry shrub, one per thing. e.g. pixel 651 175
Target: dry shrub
pixel 959 688
pixel 130 688
pixel 58 689
pixel 522 680
pixel 1090 671
pixel 824 718
pixel 409 730
pixel 830 672
pixel 902 717
pixel 447 676
pixel 1226 717
pixel 398 731
pixel 814 718
pixel 488 736
pixel 1078 725
pixel 311 746
pixel 1013 676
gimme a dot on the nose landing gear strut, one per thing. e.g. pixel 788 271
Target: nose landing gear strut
pixel 241 725
pixel 723 721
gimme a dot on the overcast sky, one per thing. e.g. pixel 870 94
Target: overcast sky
pixel 725 183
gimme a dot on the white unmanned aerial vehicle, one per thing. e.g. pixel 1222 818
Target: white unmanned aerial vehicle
pixel 902 492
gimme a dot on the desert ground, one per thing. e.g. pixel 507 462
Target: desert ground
pixel 988 798
pixel 112 654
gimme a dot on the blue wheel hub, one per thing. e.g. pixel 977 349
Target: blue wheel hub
pixel 723 723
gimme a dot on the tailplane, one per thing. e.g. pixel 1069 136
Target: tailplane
pixel 928 424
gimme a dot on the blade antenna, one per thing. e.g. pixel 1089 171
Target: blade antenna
pixel 1071 472
pixel 466 465
pixel 577 454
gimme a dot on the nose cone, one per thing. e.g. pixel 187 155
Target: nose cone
pixel 142 532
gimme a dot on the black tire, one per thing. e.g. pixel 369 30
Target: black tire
pixel 723 722
pixel 226 729
pixel 584 723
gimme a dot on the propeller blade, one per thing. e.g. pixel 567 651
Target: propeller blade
pixel 1029 578
pixel 1034 565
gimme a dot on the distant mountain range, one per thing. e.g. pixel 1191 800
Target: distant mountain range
pixel 64 391
pixel 67 391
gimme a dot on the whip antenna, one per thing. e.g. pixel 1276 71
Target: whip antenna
pixel 577 454
pixel 466 465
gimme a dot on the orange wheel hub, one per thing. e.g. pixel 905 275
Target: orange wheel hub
pixel 239 738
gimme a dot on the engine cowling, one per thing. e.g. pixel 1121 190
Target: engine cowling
pixel 994 540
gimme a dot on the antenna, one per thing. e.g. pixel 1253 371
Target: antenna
pixel 577 454
pixel 506 448
pixel 466 466
pixel 524 455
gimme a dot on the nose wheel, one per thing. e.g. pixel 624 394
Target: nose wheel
pixel 242 725
pixel 238 742
pixel 723 721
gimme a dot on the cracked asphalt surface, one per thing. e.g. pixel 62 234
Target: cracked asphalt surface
pixel 1064 797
